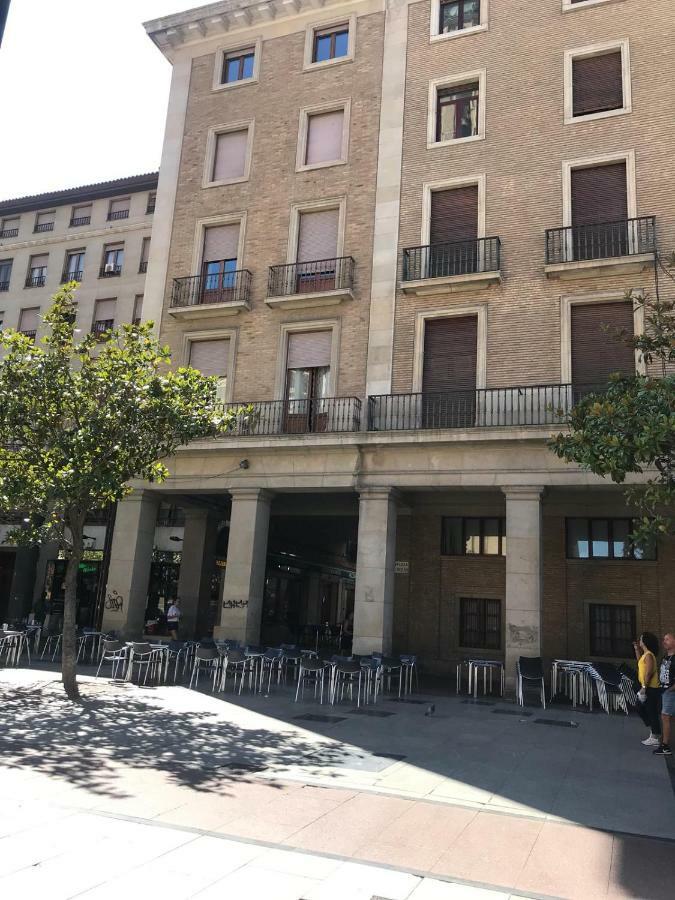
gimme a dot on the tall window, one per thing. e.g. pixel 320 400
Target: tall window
pixel 37 270
pixel 230 155
pixel 152 200
pixel 44 222
pixel 480 623
pixel 307 380
pixel 5 273
pixel 74 266
pixel 604 539
pixel 29 321
pixel 485 536
pixel 456 15
pixel 145 253
pixel 457 112
pixel 113 259
pixel 330 43
pixel 138 310
pixel 9 227
pixel 211 357
pixel 80 215
pixel 324 137
pixel 238 65
pixel 219 262
pixel 595 352
pixel 119 209
pixel 104 316
pixel 612 630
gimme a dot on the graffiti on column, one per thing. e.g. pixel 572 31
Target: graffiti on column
pixel 235 604
pixel 114 602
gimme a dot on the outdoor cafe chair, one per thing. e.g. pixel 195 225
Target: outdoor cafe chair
pixel 177 652
pixel 391 668
pixel 205 658
pixel 51 645
pixel 236 662
pixel 372 671
pixel 346 673
pixel 609 686
pixel 254 655
pixel 270 666
pixel 530 670
pixel 409 663
pixel 313 671
pixel 291 656
pixel 11 647
pixel 89 645
pixel 114 652
pixel 146 657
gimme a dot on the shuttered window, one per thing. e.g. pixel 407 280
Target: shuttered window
pixel 29 319
pixel 81 215
pixel 45 221
pixel 210 357
pixel 229 160
pixel 118 206
pixel 599 194
pixel 105 310
pixel 596 353
pixel 221 242
pixel 38 264
pixel 324 137
pixel 450 347
pixel 138 309
pixel 318 235
pixel 597 83
pixel 454 215
pixel 309 349
pixel 10 227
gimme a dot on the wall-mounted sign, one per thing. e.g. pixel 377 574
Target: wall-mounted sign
pixel 401 567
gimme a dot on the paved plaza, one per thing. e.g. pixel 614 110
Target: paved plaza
pixel 177 793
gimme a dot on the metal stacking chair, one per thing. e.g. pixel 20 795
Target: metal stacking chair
pixel 530 670
pixel 205 658
pixel 372 670
pixel 236 662
pixel 270 667
pixel 178 651
pixel 141 654
pixel 114 652
pixel 51 645
pixel 409 664
pixel 291 655
pixel 346 673
pixel 391 668
pixel 314 671
pixel 609 686
pixel 254 655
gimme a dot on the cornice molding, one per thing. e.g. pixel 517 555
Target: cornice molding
pixel 75 236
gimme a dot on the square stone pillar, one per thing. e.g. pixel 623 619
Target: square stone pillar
pixel 196 569
pixel 522 612
pixel 130 561
pixel 244 583
pixel 374 592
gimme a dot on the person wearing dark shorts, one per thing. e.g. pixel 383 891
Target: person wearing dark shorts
pixel 667 679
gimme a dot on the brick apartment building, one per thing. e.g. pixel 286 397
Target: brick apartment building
pixel 98 235
pixel 398 228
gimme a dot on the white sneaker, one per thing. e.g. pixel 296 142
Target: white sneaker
pixel 651 741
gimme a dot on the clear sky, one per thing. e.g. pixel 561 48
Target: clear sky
pixel 83 92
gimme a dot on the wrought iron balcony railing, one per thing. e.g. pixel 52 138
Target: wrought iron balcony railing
pixel 29 332
pixel 539 404
pixel 9 233
pixel 606 240
pixel 80 220
pixel 322 416
pixel 453 258
pixel 4 286
pixel 118 214
pixel 224 287
pixel 36 280
pixel 75 275
pixel 109 271
pixel 102 326
pixel 317 276
pixel 43 226
pixel 143 266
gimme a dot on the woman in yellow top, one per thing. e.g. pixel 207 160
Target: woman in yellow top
pixel 649 697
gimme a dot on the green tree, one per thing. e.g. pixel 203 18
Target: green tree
pixel 629 428
pixel 78 420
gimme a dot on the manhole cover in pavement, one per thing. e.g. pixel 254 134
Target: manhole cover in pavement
pixel 314 717
pixel 478 702
pixel 511 712
pixel 375 713
pixel 558 722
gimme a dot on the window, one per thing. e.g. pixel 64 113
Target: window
pixel 74 266
pixel 80 215
pixel 219 262
pixel 228 155
pixel 478 536
pixel 308 359
pixel 597 82
pixel 480 623
pixel 152 199
pixel 5 273
pixel 145 253
pixel 457 15
pixel 604 539
pixel 44 222
pixel 595 352
pixel 323 137
pixel 37 270
pixel 104 316
pixel 330 43
pixel 113 259
pixel 29 321
pixel 211 357
pixel 569 5
pixel 9 227
pixel 119 209
pixel 317 250
pixel 612 630
pixel 457 112
pixel 138 310
pixel 238 65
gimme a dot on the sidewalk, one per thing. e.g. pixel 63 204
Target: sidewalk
pixel 195 791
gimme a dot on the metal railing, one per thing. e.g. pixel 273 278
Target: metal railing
pixel 539 404
pixel 150 208
pixel 143 266
pixel 9 233
pixel 36 280
pixel 452 258
pixel 4 286
pixel 102 326
pixel 315 277
pixel 606 240
pixel 322 416
pixel 71 276
pixel 118 214
pixel 43 226
pixel 82 220
pixel 225 287
pixel 29 332
pixel 109 271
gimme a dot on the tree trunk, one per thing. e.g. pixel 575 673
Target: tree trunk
pixel 69 642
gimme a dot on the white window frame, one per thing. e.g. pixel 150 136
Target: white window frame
pixel 568 301
pixel 211 142
pixel 430 187
pixel 589 162
pixel 480 310
pixel 303 132
pixel 288 328
pixel 313 27
pixel 446 81
pixel 568 6
pixel 435 20
pixel 222 52
pixel 200 227
pixel 230 334
pixel 339 203
pixel 586 53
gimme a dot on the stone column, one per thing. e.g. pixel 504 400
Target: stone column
pixel 196 569
pixel 374 593
pixel 523 576
pixel 130 561
pixel 23 581
pixel 244 584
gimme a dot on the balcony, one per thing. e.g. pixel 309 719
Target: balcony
pixel 9 233
pixel 223 294
pixel 28 332
pixel 612 248
pixel 143 267
pixel 118 214
pixel 4 286
pixel 35 281
pixel 322 282
pixel 541 404
pixel 452 267
pixel 43 226
pixel 81 220
pixel 109 271
pixel 67 276
pixel 332 415
pixel 101 327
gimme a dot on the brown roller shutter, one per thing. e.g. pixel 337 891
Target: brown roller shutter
pixel 599 194
pixel 596 353
pixel 450 347
pixel 597 83
pixel 454 215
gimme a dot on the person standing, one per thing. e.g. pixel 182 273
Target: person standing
pixel 649 696
pixel 173 617
pixel 667 679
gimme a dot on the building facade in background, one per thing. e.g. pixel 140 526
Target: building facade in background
pixel 98 235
